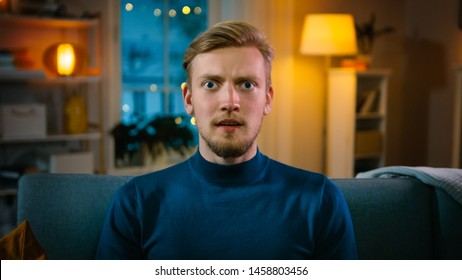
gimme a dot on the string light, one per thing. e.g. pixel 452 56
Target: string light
pixel 129 7
pixel 186 10
pixel 197 10
pixel 153 87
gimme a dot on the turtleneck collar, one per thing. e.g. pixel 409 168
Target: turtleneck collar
pixel 229 174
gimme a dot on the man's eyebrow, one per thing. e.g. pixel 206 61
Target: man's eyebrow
pixel 210 77
pixel 248 78
pixel 218 78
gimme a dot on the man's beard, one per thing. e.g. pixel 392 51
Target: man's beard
pixel 229 147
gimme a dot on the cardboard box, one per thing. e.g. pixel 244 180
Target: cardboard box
pixel 23 121
pixel 368 142
pixel 81 162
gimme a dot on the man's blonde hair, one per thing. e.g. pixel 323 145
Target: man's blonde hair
pixel 230 34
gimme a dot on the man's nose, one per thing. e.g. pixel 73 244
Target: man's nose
pixel 231 101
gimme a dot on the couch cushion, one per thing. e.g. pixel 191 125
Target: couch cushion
pixel 392 217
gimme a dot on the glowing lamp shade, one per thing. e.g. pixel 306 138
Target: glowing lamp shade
pixel 328 34
pixel 64 59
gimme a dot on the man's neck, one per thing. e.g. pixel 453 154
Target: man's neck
pixel 210 156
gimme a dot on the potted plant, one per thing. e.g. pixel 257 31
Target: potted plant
pixel 366 34
pixel 143 143
pixel 165 134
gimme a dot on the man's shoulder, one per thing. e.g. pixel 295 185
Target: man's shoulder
pixel 156 179
pixel 294 176
pixel 174 170
pixel 285 169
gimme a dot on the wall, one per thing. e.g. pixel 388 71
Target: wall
pixel 433 44
pixel 421 53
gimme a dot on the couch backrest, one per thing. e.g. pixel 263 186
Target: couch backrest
pixel 66 212
pixel 393 218
pixel 403 218
pixel 392 221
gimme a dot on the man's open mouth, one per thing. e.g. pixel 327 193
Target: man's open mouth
pixel 229 123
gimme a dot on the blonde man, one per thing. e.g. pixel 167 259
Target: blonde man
pixel 228 201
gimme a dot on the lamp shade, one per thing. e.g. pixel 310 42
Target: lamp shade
pixel 328 34
pixel 64 59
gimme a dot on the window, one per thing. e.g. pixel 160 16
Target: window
pixel 154 36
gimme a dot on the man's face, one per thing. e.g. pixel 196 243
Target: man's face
pixel 228 97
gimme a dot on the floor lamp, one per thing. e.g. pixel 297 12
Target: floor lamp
pixel 328 35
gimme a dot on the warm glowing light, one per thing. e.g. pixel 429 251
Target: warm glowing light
pixel 183 84
pixel 328 34
pixel 153 87
pixel 172 13
pixel 157 12
pixel 3 6
pixel 129 7
pixel 178 120
pixel 197 10
pixel 65 59
pixel 193 121
pixel 186 10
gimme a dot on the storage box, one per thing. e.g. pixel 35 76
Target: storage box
pixel 81 162
pixel 368 143
pixel 23 121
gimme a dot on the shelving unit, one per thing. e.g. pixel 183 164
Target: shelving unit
pixel 34 84
pixel 356 121
pixel 22 32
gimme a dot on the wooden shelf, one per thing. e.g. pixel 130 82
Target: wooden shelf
pixel 38 78
pixel 369 116
pixel 369 156
pixel 48 21
pixel 8 75
pixel 374 72
pixel 54 138
pixel 8 192
pixel 65 80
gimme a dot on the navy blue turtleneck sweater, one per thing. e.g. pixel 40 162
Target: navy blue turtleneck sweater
pixel 260 209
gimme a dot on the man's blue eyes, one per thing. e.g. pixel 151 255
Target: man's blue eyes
pixel 247 85
pixel 209 85
pixel 244 85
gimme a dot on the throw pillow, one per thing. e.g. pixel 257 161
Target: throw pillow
pixel 21 244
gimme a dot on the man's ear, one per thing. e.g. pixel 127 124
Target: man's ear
pixel 269 101
pixel 187 100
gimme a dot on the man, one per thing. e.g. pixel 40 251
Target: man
pixel 228 201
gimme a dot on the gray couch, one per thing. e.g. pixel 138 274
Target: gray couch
pixel 398 218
